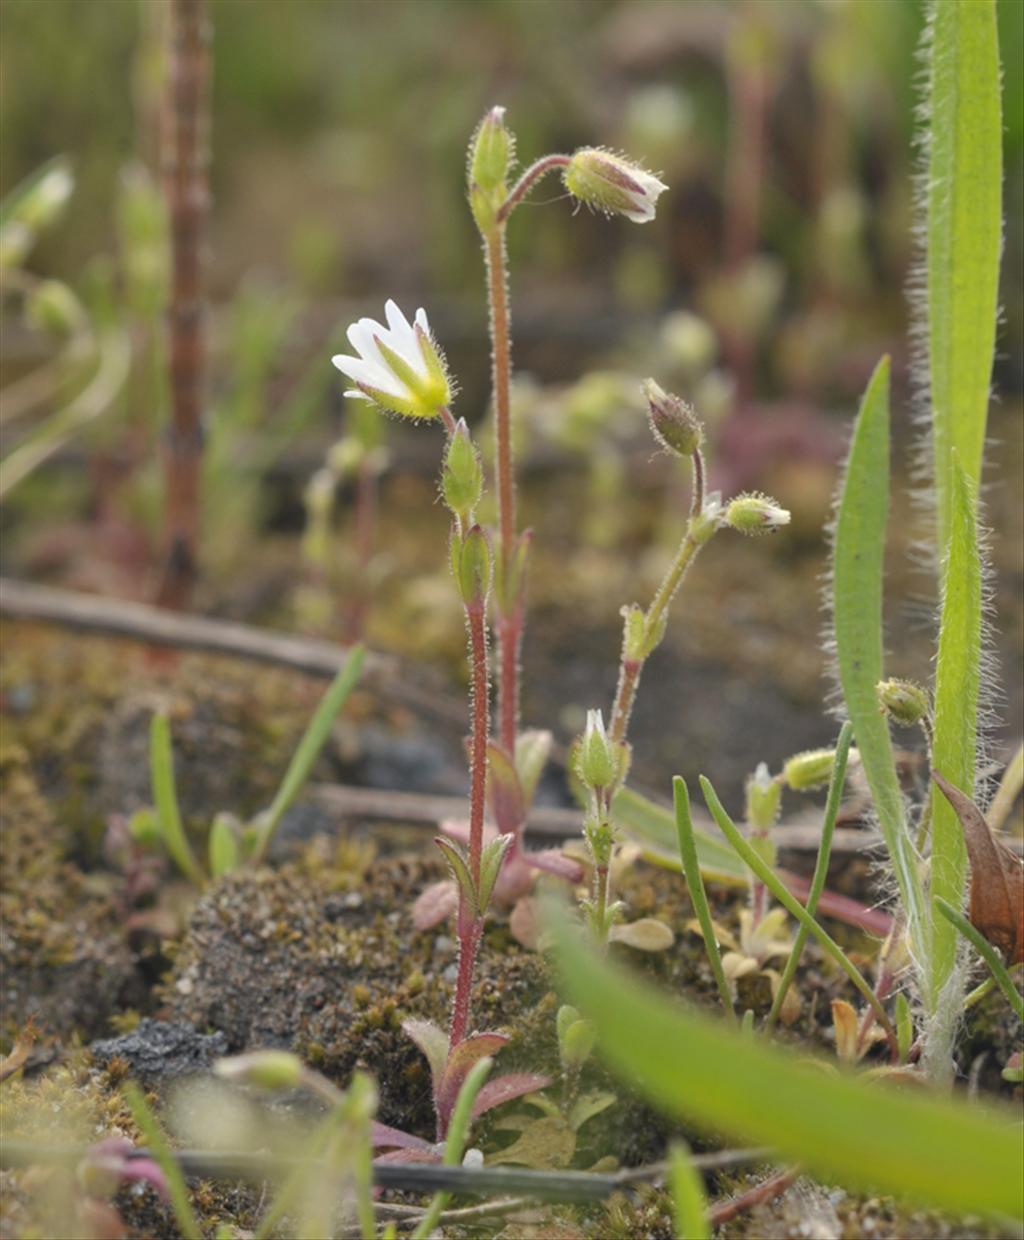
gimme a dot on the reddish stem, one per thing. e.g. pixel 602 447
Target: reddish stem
pixel 528 180
pixel 470 929
pixel 767 1191
pixel 185 188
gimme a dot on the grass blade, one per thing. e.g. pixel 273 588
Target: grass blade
pixel 828 826
pixel 654 829
pixel 309 747
pixel 147 1124
pixel 691 868
pixel 690 1206
pixel 987 952
pixel 858 555
pixel 931 1149
pixel 793 906
pixel 964 236
pixel 165 799
pixel 954 750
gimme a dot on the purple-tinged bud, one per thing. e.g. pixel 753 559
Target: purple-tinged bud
pixel 471 566
pixel 674 423
pixel 613 184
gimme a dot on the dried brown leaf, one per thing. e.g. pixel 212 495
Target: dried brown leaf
pixel 997 878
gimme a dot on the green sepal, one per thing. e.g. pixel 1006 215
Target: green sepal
pixel 225 852
pixel 458 866
pixel 532 749
pixel 491 859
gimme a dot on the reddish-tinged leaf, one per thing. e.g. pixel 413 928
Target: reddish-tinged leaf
pixel 109 1164
pixel 434 904
pixel 426 1154
pixel 433 1042
pixel 462 1058
pixel 524 923
pixel 504 793
pixel 382 1137
pixel 505 1088
pixel 842 908
pixel 997 878
pixel 552 861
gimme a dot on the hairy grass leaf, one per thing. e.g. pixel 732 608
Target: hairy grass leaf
pixel 964 235
pixel 858 557
pixel 866 1135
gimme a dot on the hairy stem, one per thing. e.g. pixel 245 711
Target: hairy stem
pixel 470 930
pixel 528 180
pixel 509 592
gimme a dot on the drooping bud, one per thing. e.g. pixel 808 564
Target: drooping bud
pixel 490 158
pixel 764 799
pixel 462 479
pixel 755 514
pixel 612 184
pixel 264 1069
pixel 596 761
pixel 903 701
pixel 810 769
pixel 471 565
pixel 673 422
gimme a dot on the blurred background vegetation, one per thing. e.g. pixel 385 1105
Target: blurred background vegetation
pixel 772 279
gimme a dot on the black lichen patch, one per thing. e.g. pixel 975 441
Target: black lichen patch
pixel 156 1051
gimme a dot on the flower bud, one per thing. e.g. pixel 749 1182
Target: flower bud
pixel 490 152
pixel 462 480
pixel 471 565
pixel 596 761
pixel 903 701
pixel 673 422
pixel 810 769
pixel 264 1069
pixel 764 799
pixel 612 184
pixel 755 514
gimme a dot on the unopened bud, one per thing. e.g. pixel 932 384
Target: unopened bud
pixel 612 184
pixel 755 514
pixel 264 1069
pixel 673 422
pixel 490 152
pixel 462 480
pixel 471 565
pixel 53 308
pixel 903 701
pixel 764 799
pixel 596 761
pixel 809 769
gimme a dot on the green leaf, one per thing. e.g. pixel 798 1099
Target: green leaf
pixel 964 236
pixel 165 797
pixel 987 952
pixel 224 846
pixel 951 1155
pixel 149 1126
pixel 309 747
pixel 858 556
pixel 654 829
pixel 690 1206
pixel 954 748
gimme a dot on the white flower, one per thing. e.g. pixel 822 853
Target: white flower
pixel 755 514
pixel 613 184
pixel 399 367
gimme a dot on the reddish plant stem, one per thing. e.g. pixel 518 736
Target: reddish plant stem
pixel 470 925
pixel 528 180
pixel 508 595
pixel 185 188
pixel 767 1191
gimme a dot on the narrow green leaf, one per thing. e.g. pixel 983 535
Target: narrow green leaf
pixel 964 235
pixel 858 556
pixel 793 906
pixel 654 829
pixel 954 749
pixel 223 845
pixel 951 1155
pixel 309 747
pixel 828 826
pixel 149 1126
pixel 987 952
pixel 691 868
pixel 690 1206
pixel 165 798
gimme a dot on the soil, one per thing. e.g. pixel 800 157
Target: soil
pixel 126 971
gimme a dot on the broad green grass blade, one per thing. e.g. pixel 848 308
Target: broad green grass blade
pixel 309 747
pixel 654 828
pixel 858 558
pixel 930 1149
pixel 964 235
pixel 954 749
pixel 165 799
